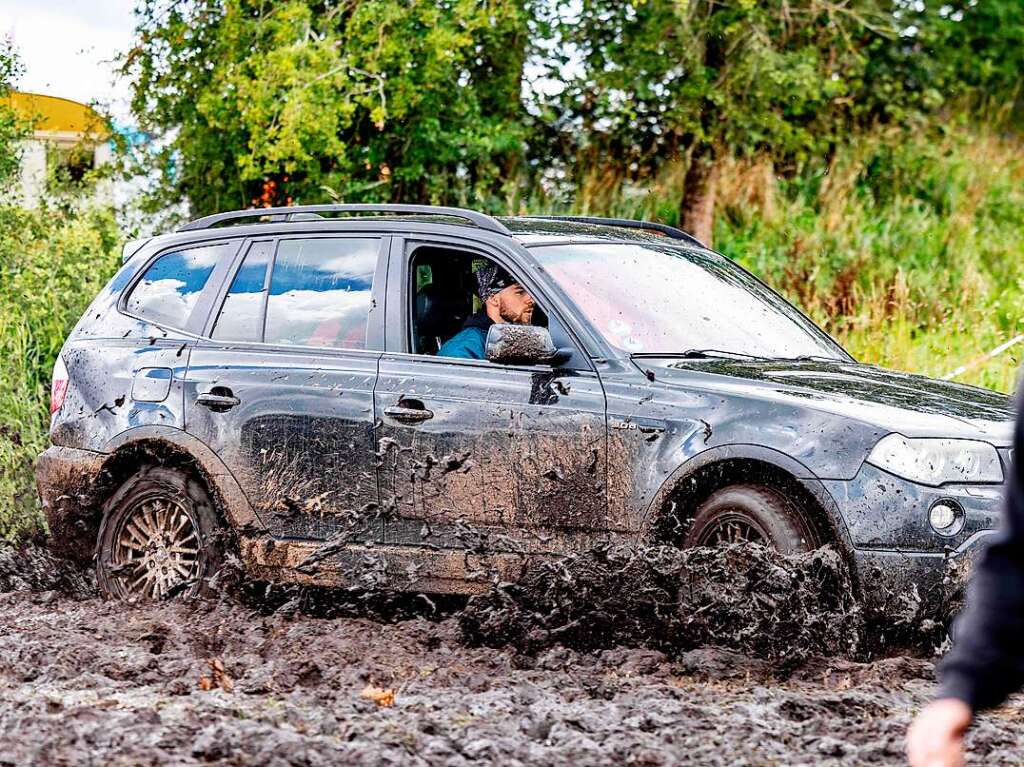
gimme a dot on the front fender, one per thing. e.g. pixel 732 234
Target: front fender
pixel 754 453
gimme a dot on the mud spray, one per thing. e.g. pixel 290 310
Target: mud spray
pixel 612 656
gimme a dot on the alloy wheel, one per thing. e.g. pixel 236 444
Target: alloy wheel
pixel 732 528
pixel 156 548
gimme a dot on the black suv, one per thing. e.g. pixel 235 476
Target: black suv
pixel 270 380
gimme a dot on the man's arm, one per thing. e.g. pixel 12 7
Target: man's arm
pixel 987 661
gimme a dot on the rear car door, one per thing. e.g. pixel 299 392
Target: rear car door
pixel 474 455
pixel 281 385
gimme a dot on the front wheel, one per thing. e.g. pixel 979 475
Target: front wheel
pixel 158 537
pixel 750 514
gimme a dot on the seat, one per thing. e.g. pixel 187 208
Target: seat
pixel 441 308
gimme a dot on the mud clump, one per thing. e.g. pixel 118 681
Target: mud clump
pixel 744 598
pixel 249 676
pixel 30 567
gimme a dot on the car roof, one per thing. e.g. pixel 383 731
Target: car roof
pixel 532 231
pixel 528 230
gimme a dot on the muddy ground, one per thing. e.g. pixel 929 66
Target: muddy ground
pixel 290 678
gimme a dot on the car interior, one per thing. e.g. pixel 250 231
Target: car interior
pixel 444 295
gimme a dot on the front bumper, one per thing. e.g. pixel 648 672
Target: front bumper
pixel 67 479
pixel 909 585
pixel 902 565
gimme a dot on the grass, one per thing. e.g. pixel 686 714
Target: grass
pixel 52 264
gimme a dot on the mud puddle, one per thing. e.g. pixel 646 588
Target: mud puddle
pixel 258 679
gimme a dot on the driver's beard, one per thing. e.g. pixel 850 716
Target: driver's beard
pixel 513 318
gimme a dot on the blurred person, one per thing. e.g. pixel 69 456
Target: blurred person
pixel 986 664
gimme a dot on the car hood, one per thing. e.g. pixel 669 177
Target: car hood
pixel 913 405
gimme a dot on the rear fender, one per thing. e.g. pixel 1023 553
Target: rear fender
pixel 237 509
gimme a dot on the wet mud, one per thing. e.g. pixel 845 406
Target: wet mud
pixel 747 598
pixel 552 670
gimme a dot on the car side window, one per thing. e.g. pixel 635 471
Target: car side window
pixel 320 292
pixel 446 300
pixel 170 287
pixel 241 314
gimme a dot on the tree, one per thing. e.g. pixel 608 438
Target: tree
pixel 13 127
pixel 258 102
pixel 701 78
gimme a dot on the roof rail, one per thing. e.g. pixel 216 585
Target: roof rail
pixel 306 212
pixel 628 223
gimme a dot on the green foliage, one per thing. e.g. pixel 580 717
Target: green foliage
pixel 658 76
pixel 908 248
pixel 269 103
pixel 52 263
pixel 12 126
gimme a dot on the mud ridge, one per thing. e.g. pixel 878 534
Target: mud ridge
pixel 784 609
pixel 31 567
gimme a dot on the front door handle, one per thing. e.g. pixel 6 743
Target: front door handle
pixel 408 414
pixel 218 400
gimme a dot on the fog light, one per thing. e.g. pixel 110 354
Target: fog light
pixel 944 517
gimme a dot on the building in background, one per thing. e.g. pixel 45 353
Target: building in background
pixel 67 137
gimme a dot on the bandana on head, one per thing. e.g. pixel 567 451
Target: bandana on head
pixel 492 279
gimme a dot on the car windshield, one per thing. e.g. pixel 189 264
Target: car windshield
pixel 652 299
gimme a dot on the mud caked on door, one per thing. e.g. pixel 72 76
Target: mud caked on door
pixel 484 461
pixel 282 389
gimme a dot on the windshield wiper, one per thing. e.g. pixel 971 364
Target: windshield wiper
pixel 702 354
pixel 809 358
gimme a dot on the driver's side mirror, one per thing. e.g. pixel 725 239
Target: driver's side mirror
pixel 523 345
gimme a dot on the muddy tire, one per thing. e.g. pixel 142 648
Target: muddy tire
pixel 750 513
pixel 159 537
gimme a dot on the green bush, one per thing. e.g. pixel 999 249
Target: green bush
pixel 52 264
pixel 908 248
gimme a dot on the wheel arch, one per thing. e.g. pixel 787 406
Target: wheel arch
pixel 677 499
pixel 167 446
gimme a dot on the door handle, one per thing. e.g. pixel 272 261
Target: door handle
pixel 408 414
pixel 218 401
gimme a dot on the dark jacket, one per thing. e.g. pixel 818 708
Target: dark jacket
pixel 470 342
pixel 987 661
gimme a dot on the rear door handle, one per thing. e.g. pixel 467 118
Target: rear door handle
pixel 219 401
pixel 408 414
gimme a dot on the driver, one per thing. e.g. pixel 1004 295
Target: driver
pixel 505 301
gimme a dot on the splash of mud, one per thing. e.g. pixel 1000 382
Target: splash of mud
pixel 29 567
pixel 745 598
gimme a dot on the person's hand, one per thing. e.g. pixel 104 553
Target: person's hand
pixel 936 737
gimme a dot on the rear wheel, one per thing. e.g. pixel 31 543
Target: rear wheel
pixel 750 514
pixel 158 537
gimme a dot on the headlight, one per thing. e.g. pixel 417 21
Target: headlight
pixel 937 461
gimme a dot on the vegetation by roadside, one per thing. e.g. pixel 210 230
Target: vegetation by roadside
pixel 52 264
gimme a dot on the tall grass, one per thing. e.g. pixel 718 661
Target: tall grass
pixel 909 250
pixel 52 263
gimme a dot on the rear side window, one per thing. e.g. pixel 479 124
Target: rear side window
pixel 320 292
pixel 170 288
pixel 241 315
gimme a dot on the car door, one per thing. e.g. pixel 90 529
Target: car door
pixel 281 386
pixel 479 456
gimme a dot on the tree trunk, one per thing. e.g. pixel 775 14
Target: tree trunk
pixel 697 208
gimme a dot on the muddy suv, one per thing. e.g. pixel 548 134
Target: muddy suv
pixel 269 382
